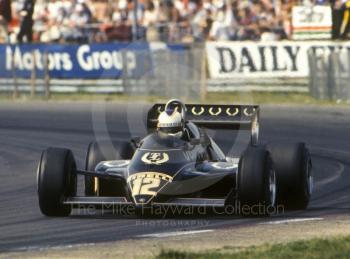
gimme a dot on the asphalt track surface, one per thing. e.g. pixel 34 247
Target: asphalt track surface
pixel 28 128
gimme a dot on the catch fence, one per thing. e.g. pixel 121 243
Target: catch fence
pixel 330 74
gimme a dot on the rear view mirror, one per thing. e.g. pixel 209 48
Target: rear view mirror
pixel 136 141
pixel 195 141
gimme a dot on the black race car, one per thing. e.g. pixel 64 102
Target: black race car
pixel 161 171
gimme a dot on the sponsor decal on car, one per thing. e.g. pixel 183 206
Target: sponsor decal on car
pixel 155 158
pixel 146 184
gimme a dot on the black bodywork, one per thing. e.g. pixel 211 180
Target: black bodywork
pixel 167 170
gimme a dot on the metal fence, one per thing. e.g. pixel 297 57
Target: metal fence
pixel 163 71
pixel 171 74
pixel 330 75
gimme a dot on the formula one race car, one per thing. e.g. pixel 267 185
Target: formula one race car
pixel 179 165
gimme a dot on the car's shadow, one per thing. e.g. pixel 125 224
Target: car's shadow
pixel 209 215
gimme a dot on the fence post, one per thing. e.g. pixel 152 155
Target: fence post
pixel 47 76
pixel 14 76
pixel 188 71
pixel 125 72
pixel 333 76
pixel 168 74
pixel 341 74
pixel 33 77
pixel 146 66
pixel 177 89
pixel 311 60
pixel 203 75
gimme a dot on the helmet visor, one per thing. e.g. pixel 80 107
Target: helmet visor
pixel 170 130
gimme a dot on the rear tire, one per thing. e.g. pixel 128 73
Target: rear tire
pixel 293 174
pixel 105 151
pixel 256 183
pixel 56 181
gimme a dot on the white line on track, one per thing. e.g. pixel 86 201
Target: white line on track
pixel 176 233
pixel 43 248
pixel 286 221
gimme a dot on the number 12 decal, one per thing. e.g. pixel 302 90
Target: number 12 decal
pixel 142 186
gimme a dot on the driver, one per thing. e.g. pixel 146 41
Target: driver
pixel 171 122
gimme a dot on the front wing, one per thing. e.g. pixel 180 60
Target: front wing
pixel 99 202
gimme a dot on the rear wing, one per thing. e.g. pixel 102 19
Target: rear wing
pixel 216 116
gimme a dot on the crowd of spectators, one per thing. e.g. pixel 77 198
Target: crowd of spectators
pixel 163 20
pixel 157 20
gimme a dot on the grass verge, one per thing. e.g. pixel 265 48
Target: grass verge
pixel 338 247
pixel 222 97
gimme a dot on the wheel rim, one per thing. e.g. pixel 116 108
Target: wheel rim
pixel 309 178
pixel 272 187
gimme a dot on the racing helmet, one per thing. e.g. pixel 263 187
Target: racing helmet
pixel 170 121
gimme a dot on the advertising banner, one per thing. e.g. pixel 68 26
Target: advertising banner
pixel 91 61
pixel 311 22
pixel 264 59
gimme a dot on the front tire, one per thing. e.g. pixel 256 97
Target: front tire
pixel 105 151
pixel 56 181
pixel 256 183
pixel 294 174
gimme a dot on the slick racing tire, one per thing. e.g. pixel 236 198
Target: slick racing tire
pixel 56 181
pixel 105 151
pixel 293 174
pixel 256 183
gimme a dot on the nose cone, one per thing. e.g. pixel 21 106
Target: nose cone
pixel 145 186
